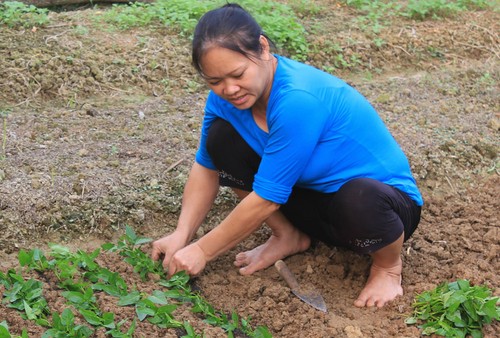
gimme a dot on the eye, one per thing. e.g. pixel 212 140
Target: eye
pixel 214 83
pixel 239 75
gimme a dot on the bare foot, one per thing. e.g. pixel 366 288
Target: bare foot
pixel 276 247
pixel 383 285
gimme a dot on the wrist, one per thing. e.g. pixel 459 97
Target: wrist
pixel 183 236
pixel 203 248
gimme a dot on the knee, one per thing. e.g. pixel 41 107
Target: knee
pixel 218 135
pixel 361 195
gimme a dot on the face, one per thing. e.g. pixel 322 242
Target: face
pixel 242 81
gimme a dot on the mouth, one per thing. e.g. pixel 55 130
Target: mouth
pixel 239 100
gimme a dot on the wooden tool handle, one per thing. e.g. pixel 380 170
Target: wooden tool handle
pixel 286 274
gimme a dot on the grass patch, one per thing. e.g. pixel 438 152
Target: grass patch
pixel 15 13
pixel 377 14
pixel 278 20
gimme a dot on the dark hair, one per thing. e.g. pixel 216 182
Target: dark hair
pixel 229 26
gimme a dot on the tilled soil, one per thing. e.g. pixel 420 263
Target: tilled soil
pixel 102 127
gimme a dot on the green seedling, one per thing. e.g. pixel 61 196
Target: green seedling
pixel 80 276
pixel 129 247
pixel 64 326
pixel 5 333
pixel 117 332
pixel 158 314
pixel 34 259
pixel 25 296
pixel 110 282
pixel 189 331
pixel 455 309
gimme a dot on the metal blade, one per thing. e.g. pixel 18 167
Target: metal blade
pixel 312 298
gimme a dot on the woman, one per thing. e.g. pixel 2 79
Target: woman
pixel 305 153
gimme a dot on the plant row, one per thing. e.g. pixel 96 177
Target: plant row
pixel 81 278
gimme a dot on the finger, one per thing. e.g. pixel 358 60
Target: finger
pixel 155 253
pixel 171 269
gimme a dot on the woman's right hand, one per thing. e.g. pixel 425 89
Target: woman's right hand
pixel 167 246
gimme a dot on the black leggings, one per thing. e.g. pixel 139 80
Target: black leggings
pixel 364 215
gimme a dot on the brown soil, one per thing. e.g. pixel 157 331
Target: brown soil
pixel 103 126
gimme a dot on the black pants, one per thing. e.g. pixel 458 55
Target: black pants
pixel 364 215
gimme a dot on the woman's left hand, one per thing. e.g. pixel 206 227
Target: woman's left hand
pixel 190 259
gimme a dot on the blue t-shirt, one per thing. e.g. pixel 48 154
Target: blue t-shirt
pixel 322 133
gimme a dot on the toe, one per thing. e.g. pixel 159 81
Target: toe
pixel 247 270
pixel 360 302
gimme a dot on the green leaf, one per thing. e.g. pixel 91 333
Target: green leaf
pixel 108 320
pixel 130 233
pixel 411 320
pixel 262 332
pixel 4 330
pixel 67 317
pixel 142 240
pixel 75 297
pixel 24 258
pixel 29 311
pixel 143 311
pixel 130 299
pixel 158 297
pixel 108 246
pixel 91 317
pixel 490 309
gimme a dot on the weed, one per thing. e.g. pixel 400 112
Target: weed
pixel 15 13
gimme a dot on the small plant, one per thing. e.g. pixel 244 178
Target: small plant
pixel 455 309
pixel 80 279
pixel 5 333
pixel 64 326
pixel 25 296
pixel 15 13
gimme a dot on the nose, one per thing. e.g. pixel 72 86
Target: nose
pixel 231 88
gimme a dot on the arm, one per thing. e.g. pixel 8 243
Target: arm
pixel 199 194
pixel 248 216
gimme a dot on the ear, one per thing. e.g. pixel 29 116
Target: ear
pixel 266 48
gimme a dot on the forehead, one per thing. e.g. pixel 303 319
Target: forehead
pixel 220 61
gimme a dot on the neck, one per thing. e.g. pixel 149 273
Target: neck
pixel 260 106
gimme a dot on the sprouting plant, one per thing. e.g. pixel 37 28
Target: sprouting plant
pixel 189 331
pixel 455 309
pixel 81 277
pixel 129 247
pixel 34 259
pixel 64 325
pixel 117 331
pixel 25 296
pixel 4 331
